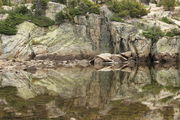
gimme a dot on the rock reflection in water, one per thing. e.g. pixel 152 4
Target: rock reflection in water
pixel 140 93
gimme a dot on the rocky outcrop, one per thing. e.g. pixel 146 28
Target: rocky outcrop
pixel 167 49
pixel 18 46
pixel 53 8
pixel 88 36
pixel 63 41
pixel 126 37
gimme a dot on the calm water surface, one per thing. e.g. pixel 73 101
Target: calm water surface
pixel 139 93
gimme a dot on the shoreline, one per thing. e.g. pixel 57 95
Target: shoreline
pixel 32 65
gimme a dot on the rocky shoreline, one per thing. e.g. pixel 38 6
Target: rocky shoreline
pixel 91 36
pixel 112 61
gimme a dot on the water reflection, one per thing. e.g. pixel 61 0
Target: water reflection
pixel 139 93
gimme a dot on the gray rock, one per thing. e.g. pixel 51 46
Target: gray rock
pixel 126 37
pixel 53 8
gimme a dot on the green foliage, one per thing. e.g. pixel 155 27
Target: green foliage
pixel 42 21
pixel 126 8
pixel 81 8
pixel 60 1
pixel 173 32
pixel 116 18
pixel 61 17
pixel 6 28
pixel 153 33
pixel 2 11
pixel 18 16
pixel 6 2
pixel 1 3
pixel 177 3
pixel 21 10
pixel 166 20
pixel 167 4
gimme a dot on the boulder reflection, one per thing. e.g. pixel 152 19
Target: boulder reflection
pixel 142 93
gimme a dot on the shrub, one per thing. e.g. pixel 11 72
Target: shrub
pixel 6 2
pixel 60 1
pixel 177 3
pixel 6 28
pixel 21 10
pixel 167 4
pixel 116 18
pixel 173 32
pixel 166 20
pixel 16 19
pixel 153 33
pixel 82 8
pixel 18 16
pixel 125 8
pixel 42 21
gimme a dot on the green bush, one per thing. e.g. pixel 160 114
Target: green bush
pixel 62 17
pixel 22 10
pixel 116 18
pixel 153 33
pixel 82 8
pixel 125 8
pixel 60 1
pixel 167 4
pixel 173 32
pixel 177 3
pixel 166 20
pixel 7 29
pixel 42 21
pixel 18 16
pixel 6 2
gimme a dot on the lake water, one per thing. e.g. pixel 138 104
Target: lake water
pixel 92 93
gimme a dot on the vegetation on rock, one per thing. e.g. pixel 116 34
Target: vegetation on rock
pixel 6 2
pixel 173 32
pixel 116 18
pixel 81 8
pixel 153 33
pixel 167 4
pixel 40 6
pixel 127 8
pixel 18 16
pixel 166 20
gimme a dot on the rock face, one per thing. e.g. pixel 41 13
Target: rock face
pixel 167 49
pixel 126 37
pixel 53 8
pixel 88 36
pixel 62 41
pixel 32 40
pixel 18 46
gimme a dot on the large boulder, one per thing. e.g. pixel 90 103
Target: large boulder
pixel 53 8
pixel 167 49
pixel 96 29
pixel 66 40
pixel 63 41
pixel 17 46
pixel 126 37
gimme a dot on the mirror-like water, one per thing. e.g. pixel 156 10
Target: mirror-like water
pixel 140 93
